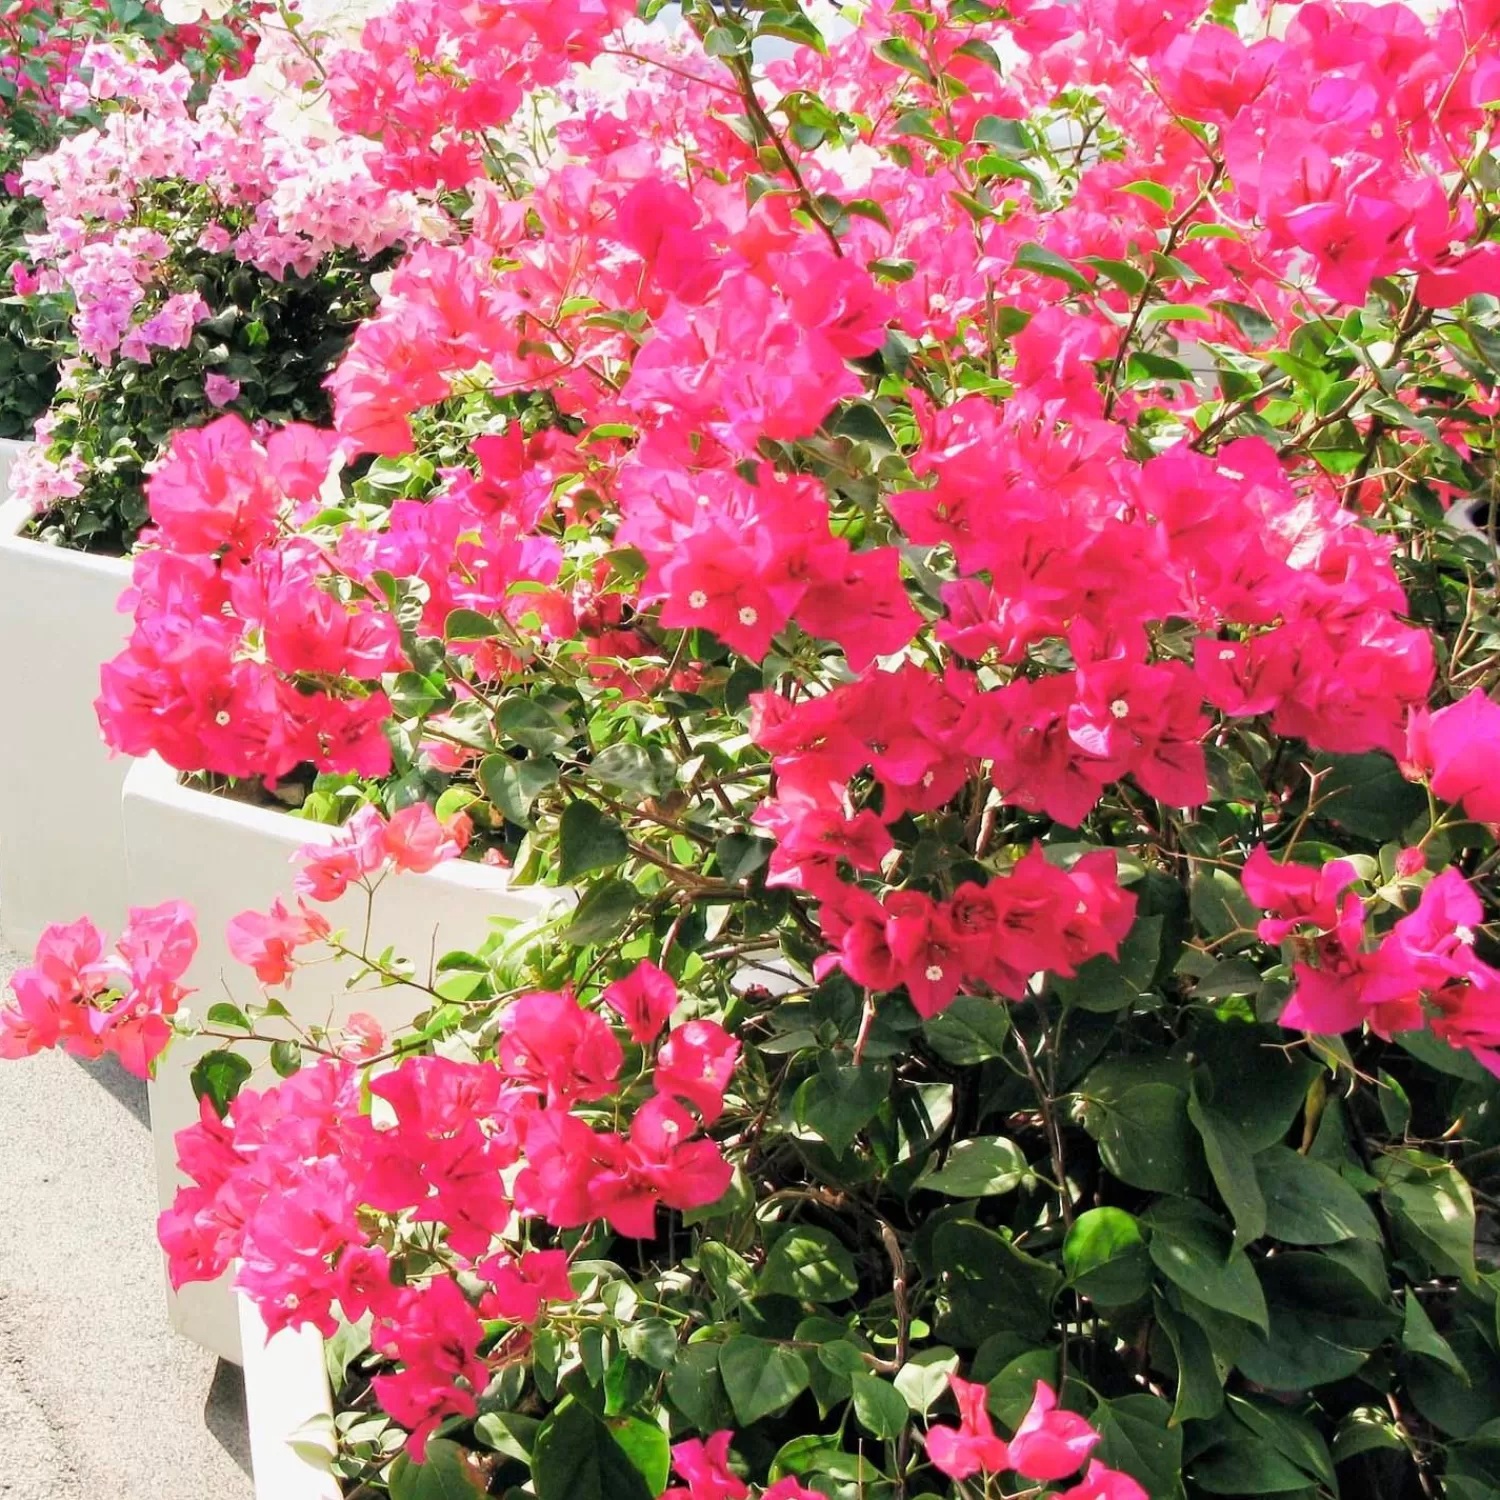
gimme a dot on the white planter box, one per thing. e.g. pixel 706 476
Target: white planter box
pixel 226 857
pixel 62 853
pixel 286 1389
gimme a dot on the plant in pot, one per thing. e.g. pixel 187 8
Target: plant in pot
pixel 44 69
pixel 203 267
pixel 868 599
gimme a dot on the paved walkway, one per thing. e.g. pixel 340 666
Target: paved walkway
pixel 98 1398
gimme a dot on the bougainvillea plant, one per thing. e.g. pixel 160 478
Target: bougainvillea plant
pixel 44 68
pixel 207 254
pixel 967 549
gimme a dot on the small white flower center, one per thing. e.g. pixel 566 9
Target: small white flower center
pixel 1082 908
pixel 704 501
pixel 933 973
pixel 669 1127
pixel 1465 935
pixel 697 599
pixel 522 1060
pixel 928 778
pixel 1119 708
pixel 1227 654
pixel 293 1302
pixel 222 718
pixel 748 616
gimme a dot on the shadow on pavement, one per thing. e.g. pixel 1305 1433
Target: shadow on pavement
pixel 224 1413
pixel 122 1086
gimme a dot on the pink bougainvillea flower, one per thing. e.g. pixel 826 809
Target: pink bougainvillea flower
pixel 1101 1483
pixel 971 1447
pixel 705 1467
pixel 644 1000
pixel 521 1285
pixel 1050 1443
pixel 551 1044
pixel 268 941
pixel 1456 749
pixel 695 1065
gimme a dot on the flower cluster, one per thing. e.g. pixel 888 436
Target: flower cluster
pixel 1422 973
pixel 285 1184
pixel 91 1000
pixel 187 687
pixel 1050 1445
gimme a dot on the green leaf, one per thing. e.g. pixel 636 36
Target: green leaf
pixel 442 1475
pixel 879 1407
pixel 1144 1135
pixel 218 1077
pixel 811 1265
pixel 591 840
pixel 1308 1203
pixel 1219 905
pixel 1136 1436
pixel 1233 1168
pixel 514 785
pixel 1159 195
pixel 1368 795
pixel 1200 1392
pixel 740 855
pixel 576 1458
pixel 286 1058
pixel 1176 312
pixel 838 1101
pixel 605 909
pixel 647 1447
pixel 761 1377
pixel 632 768
pixel 1008 137
pixel 971 1030
pixel 1192 1247
pixel 469 625
pixel 1105 1257
pixel 924 1377
pixel 1431 1209
pixel 1032 257
pixel 1291 1435
pixel 533 725
pixel 979 1167
pixel 1130 279
pixel 1255 1083
pixel 1247 1465
pixel 224 1014
pixel 990 1285
pixel 1418 1336
pixel 1323 1322
pixel 794 26
pixel 508 1432
pixel 696 1389
pixel 898 50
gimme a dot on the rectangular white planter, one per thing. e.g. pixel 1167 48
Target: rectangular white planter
pixel 225 857
pixel 62 852
pixel 286 1390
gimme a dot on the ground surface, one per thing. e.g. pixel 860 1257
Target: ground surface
pixel 99 1400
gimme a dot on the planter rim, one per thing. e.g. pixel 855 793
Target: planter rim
pixel 14 514
pixel 151 777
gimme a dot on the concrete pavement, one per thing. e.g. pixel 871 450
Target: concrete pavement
pixel 98 1398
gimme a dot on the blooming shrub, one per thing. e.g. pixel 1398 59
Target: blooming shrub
pixel 211 256
pixel 44 66
pixel 958 547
